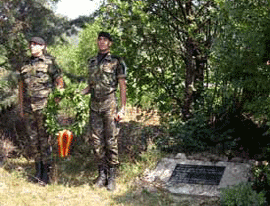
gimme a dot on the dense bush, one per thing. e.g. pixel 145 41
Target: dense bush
pixel 191 135
pixel 241 195
pixel 8 92
pixel 196 135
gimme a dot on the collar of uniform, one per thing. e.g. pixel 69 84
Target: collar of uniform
pixel 94 60
pixel 108 57
pixel 41 57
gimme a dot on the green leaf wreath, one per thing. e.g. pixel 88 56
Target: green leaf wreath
pixel 72 106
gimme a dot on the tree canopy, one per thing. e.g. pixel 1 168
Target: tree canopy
pixel 240 54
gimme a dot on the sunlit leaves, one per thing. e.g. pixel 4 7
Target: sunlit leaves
pixel 240 51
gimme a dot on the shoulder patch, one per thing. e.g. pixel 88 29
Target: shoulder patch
pixel 49 59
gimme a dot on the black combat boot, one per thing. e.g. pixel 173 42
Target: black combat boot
pixel 102 178
pixel 111 179
pixel 45 176
pixel 39 170
pixel 46 168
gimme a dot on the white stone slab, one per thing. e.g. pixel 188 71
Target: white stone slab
pixel 234 173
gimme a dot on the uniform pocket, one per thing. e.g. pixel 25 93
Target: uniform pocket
pixel 42 68
pixel 107 68
pixel 109 77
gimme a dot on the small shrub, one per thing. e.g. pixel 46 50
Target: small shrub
pixel 192 135
pixel 261 174
pixel 241 195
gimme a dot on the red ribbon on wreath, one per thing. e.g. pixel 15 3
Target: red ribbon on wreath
pixel 64 141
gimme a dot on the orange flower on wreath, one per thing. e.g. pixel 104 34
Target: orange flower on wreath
pixel 64 142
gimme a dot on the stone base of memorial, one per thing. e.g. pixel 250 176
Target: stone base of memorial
pixel 195 177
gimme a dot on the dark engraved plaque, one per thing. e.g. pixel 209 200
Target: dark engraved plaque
pixel 197 174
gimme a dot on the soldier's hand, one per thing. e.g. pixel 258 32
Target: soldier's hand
pixel 85 91
pixel 59 83
pixel 120 115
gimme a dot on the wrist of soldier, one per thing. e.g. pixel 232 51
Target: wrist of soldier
pixel 85 91
pixel 82 92
pixel 122 110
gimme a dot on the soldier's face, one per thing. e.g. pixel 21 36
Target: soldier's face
pixel 36 49
pixel 104 44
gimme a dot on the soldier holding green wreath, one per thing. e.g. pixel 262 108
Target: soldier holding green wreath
pixel 39 76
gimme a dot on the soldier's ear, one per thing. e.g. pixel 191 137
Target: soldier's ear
pixel 110 43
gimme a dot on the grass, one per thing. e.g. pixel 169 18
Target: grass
pixel 72 178
pixel 74 185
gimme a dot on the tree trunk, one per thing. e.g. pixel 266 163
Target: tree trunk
pixel 195 65
pixel 189 82
pixel 21 98
pixel 199 80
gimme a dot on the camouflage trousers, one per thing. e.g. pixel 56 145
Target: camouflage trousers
pixel 104 137
pixel 37 136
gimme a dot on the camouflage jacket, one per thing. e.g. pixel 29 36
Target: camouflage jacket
pixel 103 80
pixel 38 78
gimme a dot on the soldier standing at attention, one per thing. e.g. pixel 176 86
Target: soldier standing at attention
pixel 105 72
pixel 40 76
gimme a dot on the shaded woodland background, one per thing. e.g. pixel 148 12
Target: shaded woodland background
pixel 202 65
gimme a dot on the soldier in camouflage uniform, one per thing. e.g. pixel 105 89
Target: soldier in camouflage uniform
pixel 39 77
pixel 105 72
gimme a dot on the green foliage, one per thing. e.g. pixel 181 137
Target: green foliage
pixel 73 60
pixel 72 56
pixel 8 97
pixel 191 135
pixel 239 52
pixel 263 169
pixel 261 174
pixel 87 47
pixel 241 195
pixel 72 106
pixel 66 57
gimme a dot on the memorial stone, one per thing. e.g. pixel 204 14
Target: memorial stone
pixel 195 177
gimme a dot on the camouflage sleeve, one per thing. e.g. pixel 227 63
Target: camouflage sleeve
pixel 88 72
pixel 121 69
pixel 55 73
pixel 91 63
pixel 21 73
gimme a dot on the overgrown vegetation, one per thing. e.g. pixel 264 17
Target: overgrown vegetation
pixel 241 195
pixel 261 182
pixel 8 97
